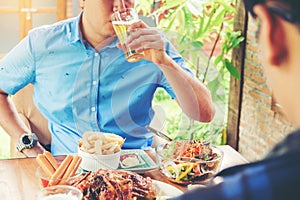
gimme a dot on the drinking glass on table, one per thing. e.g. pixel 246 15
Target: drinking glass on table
pixel 121 20
pixel 59 192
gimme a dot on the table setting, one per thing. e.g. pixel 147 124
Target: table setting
pixel 158 173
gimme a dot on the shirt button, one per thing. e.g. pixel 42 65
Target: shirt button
pixel 96 54
pixel 94 82
pixel 93 109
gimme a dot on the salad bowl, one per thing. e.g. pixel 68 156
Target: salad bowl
pixel 189 161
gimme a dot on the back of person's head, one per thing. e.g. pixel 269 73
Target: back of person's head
pixel 289 10
pixel 278 23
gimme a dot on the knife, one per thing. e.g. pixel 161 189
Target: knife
pixel 159 133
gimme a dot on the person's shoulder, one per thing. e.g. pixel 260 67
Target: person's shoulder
pixel 56 35
pixel 291 143
pixel 60 26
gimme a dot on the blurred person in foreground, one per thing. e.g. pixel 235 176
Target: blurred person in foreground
pixel 278 175
pixel 82 81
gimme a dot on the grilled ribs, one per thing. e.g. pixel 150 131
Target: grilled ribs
pixel 115 185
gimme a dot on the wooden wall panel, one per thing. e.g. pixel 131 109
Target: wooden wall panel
pixel 236 86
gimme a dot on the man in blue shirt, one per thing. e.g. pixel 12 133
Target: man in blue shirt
pixel 82 81
pixel 278 175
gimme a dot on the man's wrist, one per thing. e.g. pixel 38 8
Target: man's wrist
pixel 34 151
pixel 26 141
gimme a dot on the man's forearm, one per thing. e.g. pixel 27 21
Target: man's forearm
pixel 193 97
pixel 9 119
pixel 13 125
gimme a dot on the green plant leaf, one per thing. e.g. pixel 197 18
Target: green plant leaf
pixel 233 71
pixel 197 44
pixel 181 17
pixel 237 41
pixel 218 59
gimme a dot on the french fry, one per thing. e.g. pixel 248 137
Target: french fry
pixel 98 146
pixel 85 143
pixel 100 143
pixel 92 151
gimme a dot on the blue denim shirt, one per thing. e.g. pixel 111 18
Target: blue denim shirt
pixel 80 89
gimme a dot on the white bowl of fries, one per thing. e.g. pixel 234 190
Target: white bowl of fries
pixel 100 150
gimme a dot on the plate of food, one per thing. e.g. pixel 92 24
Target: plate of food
pixel 189 161
pixel 136 160
pixel 165 191
pixel 122 184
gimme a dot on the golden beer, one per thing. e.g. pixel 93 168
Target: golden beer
pixel 121 28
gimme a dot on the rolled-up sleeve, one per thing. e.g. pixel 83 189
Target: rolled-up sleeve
pixel 17 68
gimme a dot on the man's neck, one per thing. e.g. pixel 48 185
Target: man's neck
pixel 95 40
pixel 104 43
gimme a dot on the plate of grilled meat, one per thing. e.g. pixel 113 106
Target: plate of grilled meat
pixel 121 184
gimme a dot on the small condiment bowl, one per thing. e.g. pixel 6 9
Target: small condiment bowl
pixel 44 178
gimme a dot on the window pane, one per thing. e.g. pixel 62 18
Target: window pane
pixel 9 35
pixel 44 3
pixel 10 3
pixel 42 19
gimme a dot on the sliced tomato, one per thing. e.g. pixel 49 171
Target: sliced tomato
pixel 196 169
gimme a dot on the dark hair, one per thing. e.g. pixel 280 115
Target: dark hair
pixel 290 11
pixel 249 4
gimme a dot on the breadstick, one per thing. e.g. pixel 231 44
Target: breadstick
pixel 76 166
pixel 71 169
pixel 58 174
pixel 51 159
pixel 45 164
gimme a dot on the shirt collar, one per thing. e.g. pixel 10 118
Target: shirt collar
pixel 74 30
pixel 113 43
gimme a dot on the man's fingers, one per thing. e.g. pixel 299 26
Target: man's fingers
pixel 144 36
pixel 143 31
pixel 137 25
pixel 147 42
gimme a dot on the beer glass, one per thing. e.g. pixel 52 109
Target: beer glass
pixel 121 20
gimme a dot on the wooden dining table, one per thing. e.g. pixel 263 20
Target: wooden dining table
pixel 19 182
